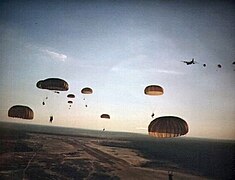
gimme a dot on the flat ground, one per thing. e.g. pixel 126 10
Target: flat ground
pixel 44 156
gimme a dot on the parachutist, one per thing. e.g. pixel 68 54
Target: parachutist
pixel 152 115
pixel 43 103
pixel 170 175
pixel 51 119
pixel 85 105
pixel 70 102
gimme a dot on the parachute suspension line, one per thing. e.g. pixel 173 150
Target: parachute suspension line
pixel 54 85
pixel 154 111
pixel 84 100
pixel 50 106
pixel 45 102
pixel 45 98
pixel 86 91
pixel 153 90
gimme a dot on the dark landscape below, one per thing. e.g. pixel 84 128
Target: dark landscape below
pixel 47 152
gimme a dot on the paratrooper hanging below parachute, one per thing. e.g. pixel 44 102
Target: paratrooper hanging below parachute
pixel 51 119
pixel 152 115
pixel 52 84
pixel 86 91
pixel 153 90
pixel 70 103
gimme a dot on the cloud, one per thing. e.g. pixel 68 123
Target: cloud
pixel 55 55
pixel 169 72
pixel 52 54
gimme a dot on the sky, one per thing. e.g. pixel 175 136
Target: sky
pixel 118 48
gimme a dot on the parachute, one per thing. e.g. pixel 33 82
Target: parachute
pixel 20 111
pixel 70 102
pixel 219 66
pixel 71 96
pixel 105 116
pixel 167 126
pixel 55 84
pixel 153 90
pixel 86 90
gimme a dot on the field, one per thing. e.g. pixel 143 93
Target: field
pixel 32 154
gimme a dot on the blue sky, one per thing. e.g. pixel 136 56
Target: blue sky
pixel 118 48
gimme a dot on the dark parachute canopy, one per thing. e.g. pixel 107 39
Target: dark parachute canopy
pixel 167 126
pixel 86 90
pixel 105 116
pixel 20 111
pixel 153 90
pixel 71 96
pixel 70 102
pixel 55 84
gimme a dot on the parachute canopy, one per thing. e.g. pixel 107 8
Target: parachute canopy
pixel 71 96
pixel 70 102
pixel 53 84
pixel 86 90
pixel 106 116
pixel 20 111
pixel 167 126
pixel 153 90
